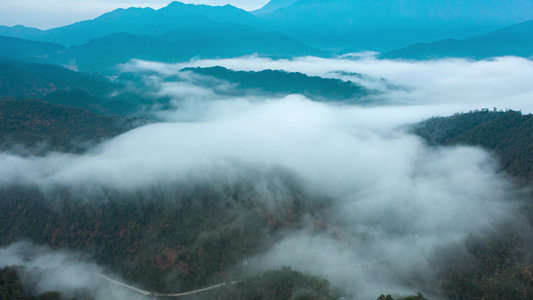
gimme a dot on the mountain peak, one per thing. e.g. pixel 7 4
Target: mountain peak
pixel 181 5
pixel 274 5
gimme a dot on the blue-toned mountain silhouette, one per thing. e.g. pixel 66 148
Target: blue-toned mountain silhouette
pixel 516 40
pixel 137 21
pixel 390 24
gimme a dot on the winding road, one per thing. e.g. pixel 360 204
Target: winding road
pixel 152 294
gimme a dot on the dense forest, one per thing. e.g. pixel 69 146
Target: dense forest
pixel 507 133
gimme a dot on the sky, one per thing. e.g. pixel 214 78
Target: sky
pixel 46 14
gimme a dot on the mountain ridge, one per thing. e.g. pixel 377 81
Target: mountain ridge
pixel 385 25
pixel 133 20
pixel 516 40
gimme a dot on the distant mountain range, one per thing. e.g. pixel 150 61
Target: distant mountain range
pixel 182 32
pixel 383 25
pixel 203 38
pixel 136 21
pixel 516 40
pixel 341 25
pixel 178 32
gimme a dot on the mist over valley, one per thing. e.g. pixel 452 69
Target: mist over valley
pixel 208 152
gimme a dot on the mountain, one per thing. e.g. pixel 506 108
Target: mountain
pixel 27 50
pixel 388 24
pixel 273 5
pixel 344 25
pixel 202 39
pixel 136 21
pixel 515 40
pixel 282 83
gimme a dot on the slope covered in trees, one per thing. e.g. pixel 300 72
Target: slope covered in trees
pixel 42 127
pixel 57 85
pixel 34 80
pixel 185 236
pixel 509 134
pixel 29 51
pixel 283 83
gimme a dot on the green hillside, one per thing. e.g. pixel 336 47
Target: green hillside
pixel 283 83
pixel 34 80
pixel 509 134
pixel 185 236
pixel 29 51
pixel 44 127
pixel 57 85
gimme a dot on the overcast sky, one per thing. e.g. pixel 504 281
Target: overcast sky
pixel 45 14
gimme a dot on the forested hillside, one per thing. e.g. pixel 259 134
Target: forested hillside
pixel 282 83
pixel 58 85
pixel 32 79
pixel 178 237
pixel 509 134
pixel 29 51
pixel 39 127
